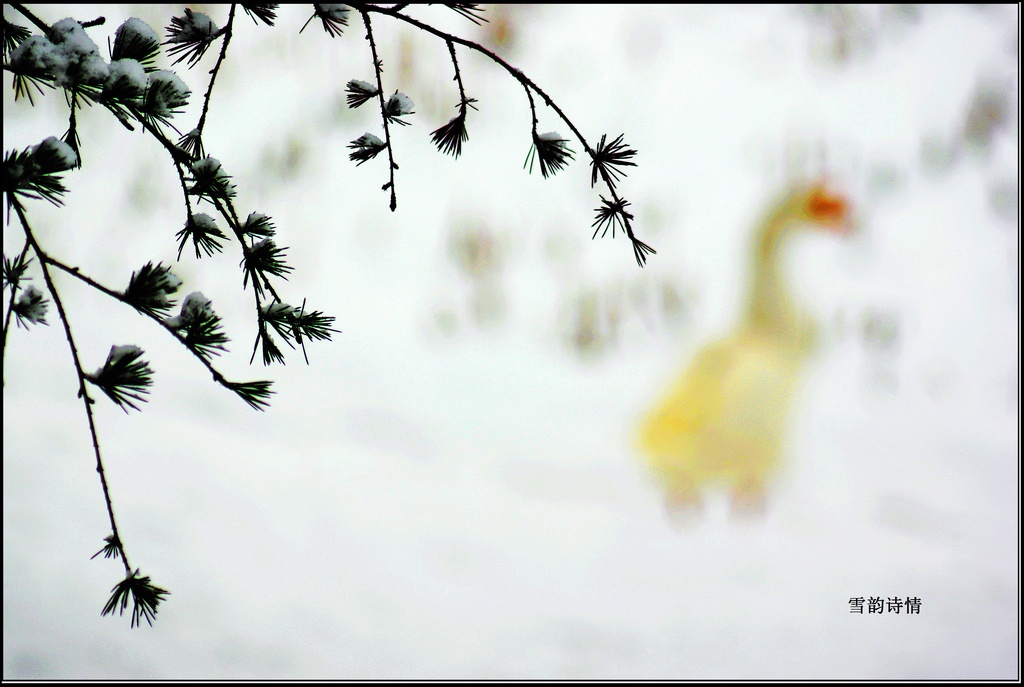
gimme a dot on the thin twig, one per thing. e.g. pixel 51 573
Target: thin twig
pixel 83 392
pixel 458 74
pixel 216 68
pixel 24 11
pixel 383 110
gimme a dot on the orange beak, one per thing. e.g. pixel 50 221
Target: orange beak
pixel 829 210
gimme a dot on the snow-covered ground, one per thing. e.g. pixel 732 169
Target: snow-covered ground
pixel 450 489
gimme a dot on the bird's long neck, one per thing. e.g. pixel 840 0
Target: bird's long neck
pixel 770 310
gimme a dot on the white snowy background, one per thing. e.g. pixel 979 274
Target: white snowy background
pixel 450 489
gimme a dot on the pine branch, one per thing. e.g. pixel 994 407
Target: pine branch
pixel 13 276
pixel 32 172
pixel 137 93
pixel 552 153
pixel 169 277
pixel 359 92
pixel 261 10
pixel 265 12
pixel 30 307
pixel 124 377
pixel 398 106
pixel 166 94
pixel 198 326
pixel 607 161
pixel 204 233
pixel 257 226
pixel 14 270
pixel 253 393
pixel 149 290
pixel 112 549
pixel 135 40
pixel 13 35
pixel 295 324
pixel 262 259
pixel 210 181
pixel 364 148
pixel 333 17
pixel 87 402
pixel 145 598
pixel 190 36
pixel 611 215
pixel 383 112
pixel 470 10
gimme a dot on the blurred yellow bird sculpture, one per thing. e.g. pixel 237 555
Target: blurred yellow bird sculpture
pixel 723 421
